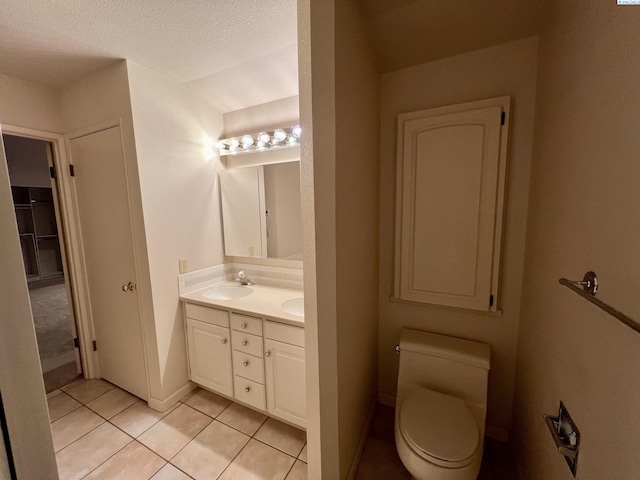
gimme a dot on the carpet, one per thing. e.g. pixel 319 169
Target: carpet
pixel 52 319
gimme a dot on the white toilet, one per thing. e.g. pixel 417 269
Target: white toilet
pixel 441 405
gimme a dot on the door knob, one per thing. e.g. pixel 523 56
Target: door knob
pixel 245 363
pixel 247 389
pixel 129 287
pixel 244 343
pixel 267 354
pixel 224 340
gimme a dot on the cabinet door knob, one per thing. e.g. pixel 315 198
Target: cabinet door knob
pixel 244 343
pixel 247 389
pixel 224 340
pixel 245 363
pixel 267 354
pixel 244 325
pixel 129 287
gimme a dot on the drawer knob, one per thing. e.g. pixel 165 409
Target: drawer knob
pixel 245 363
pixel 247 389
pixel 267 354
pixel 224 340
pixel 244 343
pixel 244 325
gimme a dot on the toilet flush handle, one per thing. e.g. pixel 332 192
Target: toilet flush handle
pixel 398 349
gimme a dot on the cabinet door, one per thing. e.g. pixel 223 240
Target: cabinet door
pixel 210 356
pixel 451 174
pixel 285 381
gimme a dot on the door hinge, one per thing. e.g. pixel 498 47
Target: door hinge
pixel 491 300
pixel 95 346
pixel 52 172
pixel 76 342
pixel 72 170
pixel 502 118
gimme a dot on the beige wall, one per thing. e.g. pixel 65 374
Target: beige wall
pixel 317 169
pixel 583 215
pixel 340 224
pixel 174 135
pixel 24 104
pixel 357 161
pixel 508 69
pixel 267 116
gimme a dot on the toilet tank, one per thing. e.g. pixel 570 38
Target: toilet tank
pixel 448 365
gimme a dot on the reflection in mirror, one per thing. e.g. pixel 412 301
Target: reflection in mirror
pixel 261 212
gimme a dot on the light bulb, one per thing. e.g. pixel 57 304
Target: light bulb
pixel 291 140
pixel 296 131
pixel 279 135
pixel 260 144
pixel 247 141
pixel 220 145
pixel 234 143
pixel 264 137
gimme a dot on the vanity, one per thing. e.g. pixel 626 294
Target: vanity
pixel 247 343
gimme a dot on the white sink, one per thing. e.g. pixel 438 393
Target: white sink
pixel 228 292
pixel 294 306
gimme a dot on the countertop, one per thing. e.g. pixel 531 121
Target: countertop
pixel 265 302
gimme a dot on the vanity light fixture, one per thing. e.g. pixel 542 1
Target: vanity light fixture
pixel 269 140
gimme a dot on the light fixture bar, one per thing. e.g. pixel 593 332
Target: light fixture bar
pixel 258 142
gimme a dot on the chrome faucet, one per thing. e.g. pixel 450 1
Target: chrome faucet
pixel 243 279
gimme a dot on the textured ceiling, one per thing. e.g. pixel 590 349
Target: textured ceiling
pixel 56 42
pixel 236 53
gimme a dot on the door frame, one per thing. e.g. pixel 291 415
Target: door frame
pixel 72 240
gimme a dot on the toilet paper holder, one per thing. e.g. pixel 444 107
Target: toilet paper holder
pixel 565 435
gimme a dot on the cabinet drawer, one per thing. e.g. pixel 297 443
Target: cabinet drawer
pixel 248 366
pixel 247 324
pixel 284 333
pixel 249 392
pixel 245 342
pixel 207 314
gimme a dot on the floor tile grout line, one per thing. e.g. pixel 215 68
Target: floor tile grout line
pixel 81 436
pixel 114 454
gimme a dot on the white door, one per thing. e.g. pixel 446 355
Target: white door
pixel 451 171
pixel 285 381
pixel 210 356
pixel 107 241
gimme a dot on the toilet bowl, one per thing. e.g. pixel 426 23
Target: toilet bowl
pixel 441 406
pixel 437 437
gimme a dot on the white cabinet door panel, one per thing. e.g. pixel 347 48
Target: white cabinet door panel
pixel 210 356
pixel 451 165
pixel 285 381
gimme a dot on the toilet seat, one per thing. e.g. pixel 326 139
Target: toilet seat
pixel 439 428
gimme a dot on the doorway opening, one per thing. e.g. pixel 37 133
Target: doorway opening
pixel 37 207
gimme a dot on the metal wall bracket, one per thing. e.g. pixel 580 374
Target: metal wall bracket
pixel 566 436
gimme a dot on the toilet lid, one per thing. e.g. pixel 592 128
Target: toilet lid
pixel 439 427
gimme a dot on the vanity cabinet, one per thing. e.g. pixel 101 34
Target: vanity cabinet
pixel 259 362
pixel 209 347
pixel 285 372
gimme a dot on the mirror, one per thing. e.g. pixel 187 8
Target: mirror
pixel 261 214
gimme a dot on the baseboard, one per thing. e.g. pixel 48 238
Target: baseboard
pixel 363 441
pixel 164 405
pixel 496 433
pixel 388 400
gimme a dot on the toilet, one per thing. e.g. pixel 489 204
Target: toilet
pixel 441 405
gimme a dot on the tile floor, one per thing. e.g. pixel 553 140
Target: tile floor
pixel 102 432
pixel 380 460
